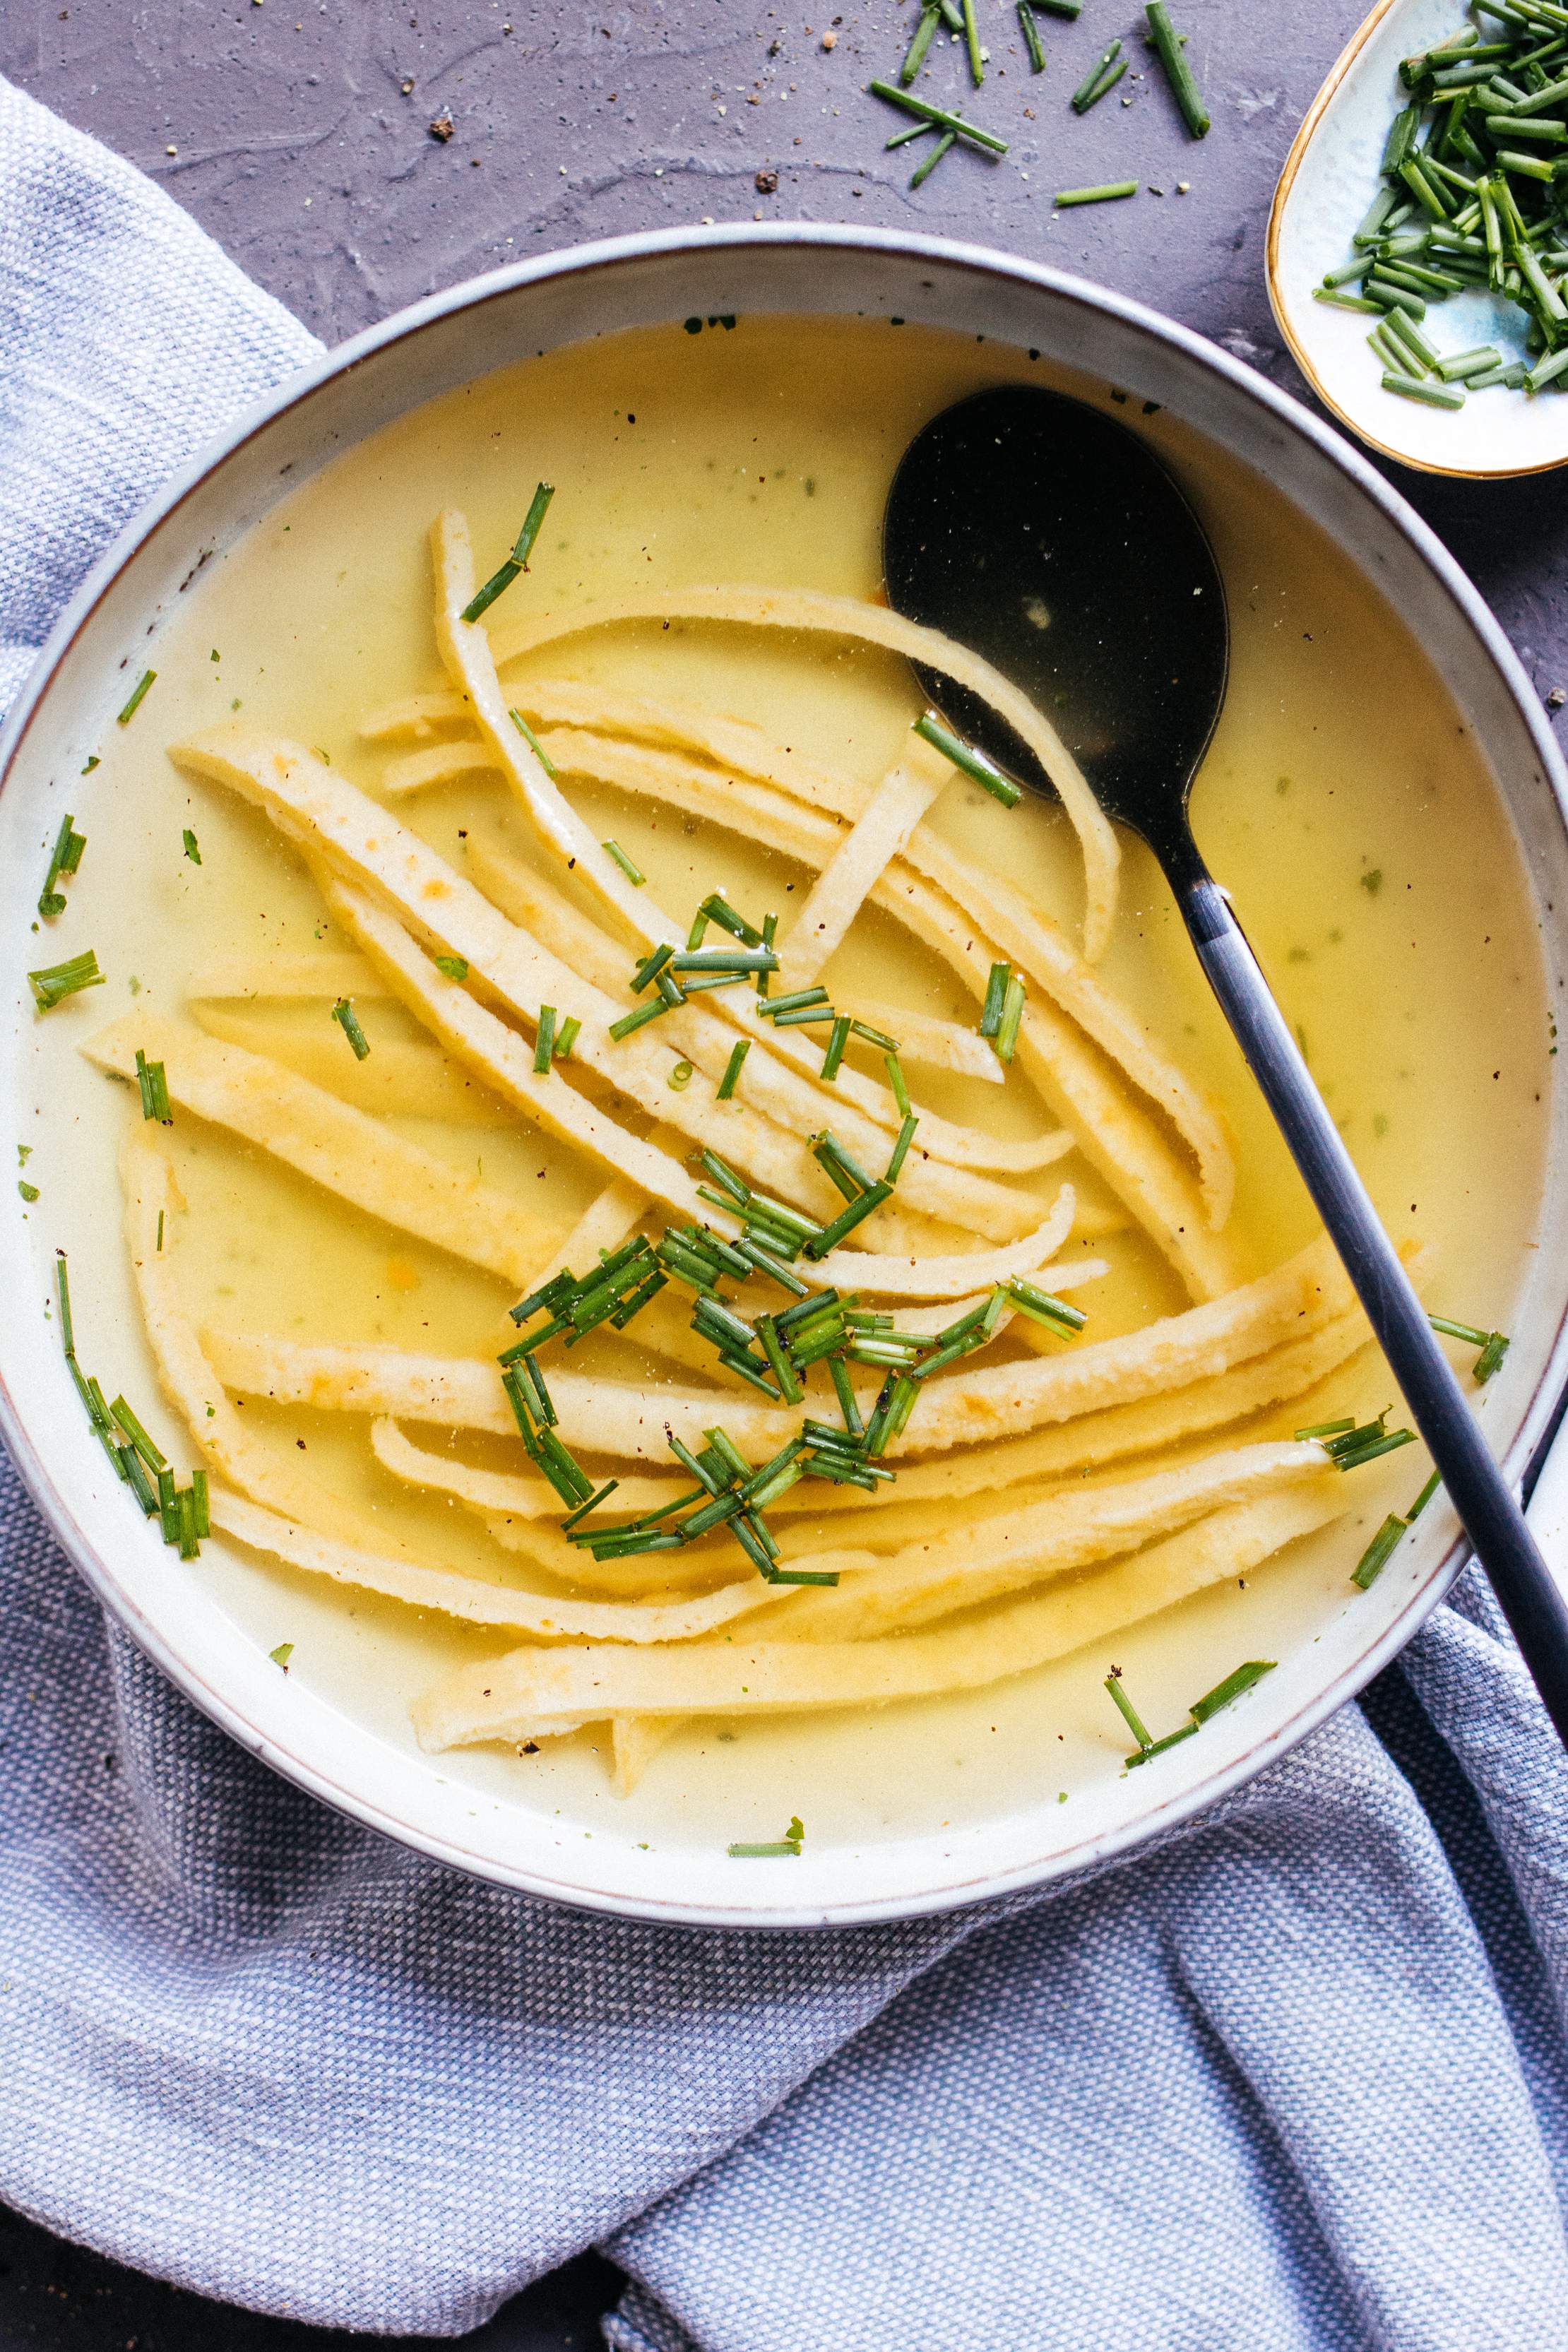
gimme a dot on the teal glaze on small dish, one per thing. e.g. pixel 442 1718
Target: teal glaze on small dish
pixel 1329 178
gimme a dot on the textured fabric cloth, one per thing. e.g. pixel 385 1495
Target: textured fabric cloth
pixel 1295 2081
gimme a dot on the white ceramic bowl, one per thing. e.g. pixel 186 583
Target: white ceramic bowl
pixel 1329 178
pixel 485 1820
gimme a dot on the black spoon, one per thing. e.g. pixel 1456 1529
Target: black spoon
pixel 1046 538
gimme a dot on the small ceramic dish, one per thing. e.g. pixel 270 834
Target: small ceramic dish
pixel 1329 178
pixel 206 1623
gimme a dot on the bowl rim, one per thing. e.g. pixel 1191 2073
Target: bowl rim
pixel 1542 1415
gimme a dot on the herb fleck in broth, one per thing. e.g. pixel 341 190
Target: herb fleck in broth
pixel 761 456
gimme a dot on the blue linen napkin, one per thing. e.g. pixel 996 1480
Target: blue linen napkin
pixel 1296 2081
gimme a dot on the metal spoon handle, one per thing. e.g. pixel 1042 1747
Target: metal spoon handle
pixel 1490 1516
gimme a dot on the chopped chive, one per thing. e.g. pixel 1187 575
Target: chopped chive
pixel 846 1172
pixel 29 1192
pixel 64 859
pixel 718 909
pixel 745 960
pixel 1042 1307
pixel 150 1453
pixel 1089 89
pixel 192 847
pixel 155 1089
pixel 1375 1558
pixel 517 561
pixel 452 967
pixel 972 43
pixel 347 1020
pixel 1357 1458
pixel 592 1503
pixel 1070 8
pixel 1104 194
pixel 1185 89
pixel 168 1507
pixel 1158 1747
pixel 797 1001
pixel 1490 1357
pixel 566 1037
pixel 187 1531
pixel 633 873
pixel 938 115
pixel 849 1218
pixel 137 695
pixel 281 1654
pixel 733 1068
pixel 918 178
pixel 680 1078
pixel 1465 1331
pixel 1326 1428
pixel 995 997
pixel 1470 364
pixel 531 740
pixel 915 55
pixel 901 1149
pixel 56 981
pixel 1032 41
pixel 839 1038
pixel 791 1842
pixel 1243 1679
pixel 650 968
pixel 629 1022
pixel 544 1040
pixel 963 755
pixel 1005 1041
pixel 1134 1721
pixel 1425 1497
pixel 200 1505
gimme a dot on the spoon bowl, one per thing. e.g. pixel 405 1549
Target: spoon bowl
pixel 1044 531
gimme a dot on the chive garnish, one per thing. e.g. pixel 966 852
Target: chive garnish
pixel 733 1068
pixel 535 745
pixel 1105 194
pixel 963 755
pixel 1006 1042
pixel 1200 1711
pixel 995 997
pixel 517 561
pixel 137 697
pixel 1101 77
pixel 1491 1356
pixel 1375 1558
pixel 281 1654
pixel 918 179
pixel 347 1020
pixel 29 1192
pixel 839 1038
pixel 452 967
pixel 64 859
pixel 1134 1721
pixel 633 873
pixel 56 981
pixel 192 847
pixel 630 1021
pixel 544 1039
pixel 901 1149
pixel 155 1089
pixel 680 1078
pixel 150 1453
pixel 896 1081
pixel 939 116
pixel 915 55
pixel 1167 45
pixel 1243 1679
pixel 791 1842
pixel 566 1036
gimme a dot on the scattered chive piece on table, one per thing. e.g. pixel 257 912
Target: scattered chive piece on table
pixel 193 848
pixel 517 561
pixel 972 43
pixel 53 982
pixel 155 1089
pixel 915 55
pixel 1032 42
pixel 633 873
pixel 452 967
pixel 963 755
pixel 347 1020
pixel 924 168
pixel 1167 46
pixel 533 743
pixel 136 698
pixel 733 1068
pixel 281 1654
pixel 65 857
pixel 939 116
pixel 1102 78
pixel 1106 195
pixel 544 1040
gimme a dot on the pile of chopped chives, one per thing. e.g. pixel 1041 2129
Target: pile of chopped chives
pixel 1474 195
pixel 138 1463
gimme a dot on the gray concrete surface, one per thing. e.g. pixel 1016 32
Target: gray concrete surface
pixel 300 136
